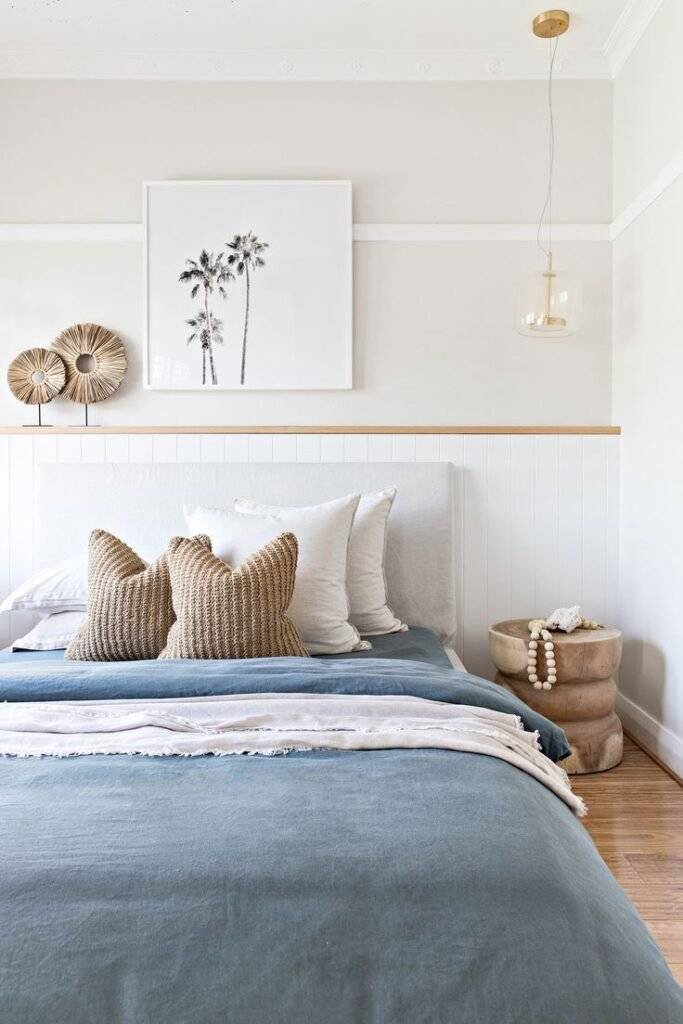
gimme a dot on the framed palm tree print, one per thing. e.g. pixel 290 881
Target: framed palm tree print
pixel 248 285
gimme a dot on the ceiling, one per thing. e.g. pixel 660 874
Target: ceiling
pixel 315 39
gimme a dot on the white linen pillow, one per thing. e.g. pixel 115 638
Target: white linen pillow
pixel 320 606
pixel 59 588
pixel 365 580
pixel 53 633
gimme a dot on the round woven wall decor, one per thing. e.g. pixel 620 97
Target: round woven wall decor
pixel 36 376
pixel 95 361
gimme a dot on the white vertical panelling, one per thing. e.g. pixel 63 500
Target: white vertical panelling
pixel 593 548
pixel 332 448
pixel 535 517
pixel 356 448
pixel 611 525
pixel 474 541
pixel 141 448
pixel 308 448
pixel 93 448
pixel 69 448
pixel 426 448
pixel 570 520
pixel 260 448
pixel 237 448
pixel 212 448
pixel 546 527
pixel 498 581
pixel 45 448
pixel 379 448
pixel 189 448
pixel 452 449
pixel 21 511
pixel 5 536
pixel 284 448
pixel 164 448
pixel 402 448
pixel 117 447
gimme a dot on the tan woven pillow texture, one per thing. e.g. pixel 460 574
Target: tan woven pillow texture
pixel 233 613
pixel 130 610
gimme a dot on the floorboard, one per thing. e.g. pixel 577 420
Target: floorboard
pixel 635 816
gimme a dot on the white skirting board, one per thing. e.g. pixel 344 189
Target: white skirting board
pixel 651 734
pixel 536 516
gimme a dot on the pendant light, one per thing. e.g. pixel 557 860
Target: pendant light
pixel 549 301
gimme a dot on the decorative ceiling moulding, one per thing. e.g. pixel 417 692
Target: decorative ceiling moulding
pixel 668 176
pixel 300 65
pixel 628 30
pixel 361 232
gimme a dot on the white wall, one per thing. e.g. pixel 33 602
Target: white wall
pixel 648 371
pixel 434 341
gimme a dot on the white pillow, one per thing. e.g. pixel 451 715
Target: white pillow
pixel 53 633
pixel 60 588
pixel 320 606
pixel 365 579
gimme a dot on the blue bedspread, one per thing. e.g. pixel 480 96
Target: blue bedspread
pixel 415 644
pixel 362 887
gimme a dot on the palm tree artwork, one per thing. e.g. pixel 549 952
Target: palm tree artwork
pixel 208 331
pixel 207 273
pixel 246 257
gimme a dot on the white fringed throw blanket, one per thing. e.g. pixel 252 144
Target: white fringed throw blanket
pixel 273 723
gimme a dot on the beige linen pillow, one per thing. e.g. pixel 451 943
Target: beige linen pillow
pixel 129 603
pixel 233 613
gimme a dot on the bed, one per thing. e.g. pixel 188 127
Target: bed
pixel 367 885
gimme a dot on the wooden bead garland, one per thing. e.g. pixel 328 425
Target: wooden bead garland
pixel 540 633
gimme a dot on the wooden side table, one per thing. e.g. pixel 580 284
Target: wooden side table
pixel 582 699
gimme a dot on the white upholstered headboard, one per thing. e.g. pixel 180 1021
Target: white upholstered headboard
pixel 142 503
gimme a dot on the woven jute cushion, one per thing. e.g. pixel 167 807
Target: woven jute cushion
pixel 130 610
pixel 223 612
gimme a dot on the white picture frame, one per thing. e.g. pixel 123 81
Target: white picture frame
pixel 284 323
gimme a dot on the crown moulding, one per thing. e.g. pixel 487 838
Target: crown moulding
pixel 302 65
pixel 628 29
pixel 339 65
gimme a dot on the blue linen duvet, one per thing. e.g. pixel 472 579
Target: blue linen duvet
pixel 378 887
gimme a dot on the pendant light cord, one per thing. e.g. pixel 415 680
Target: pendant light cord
pixel 548 204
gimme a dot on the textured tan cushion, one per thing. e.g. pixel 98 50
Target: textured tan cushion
pixel 129 603
pixel 233 613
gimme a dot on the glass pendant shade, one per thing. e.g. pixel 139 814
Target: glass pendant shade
pixel 549 305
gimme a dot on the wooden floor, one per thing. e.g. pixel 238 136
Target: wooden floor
pixel 635 816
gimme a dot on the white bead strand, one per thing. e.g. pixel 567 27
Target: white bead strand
pixel 540 636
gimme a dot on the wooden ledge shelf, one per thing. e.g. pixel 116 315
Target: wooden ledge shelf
pixel 279 429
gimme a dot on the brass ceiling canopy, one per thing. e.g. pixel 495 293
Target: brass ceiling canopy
pixel 550 24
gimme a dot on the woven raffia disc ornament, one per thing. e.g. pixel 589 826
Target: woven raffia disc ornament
pixel 95 361
pixel 36 376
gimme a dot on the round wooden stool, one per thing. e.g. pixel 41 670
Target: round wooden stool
pixel 582 700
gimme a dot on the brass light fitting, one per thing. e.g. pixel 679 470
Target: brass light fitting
pixel 547 320
pixel 550 24
pixel 549 301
